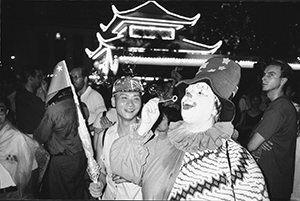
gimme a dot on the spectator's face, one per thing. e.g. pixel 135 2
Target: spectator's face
pixel 289 92
pixel 271 79
pixel 255 101
pixel 77 79
pixel 163 125
pixel 198 103
pixel 128 104
pixel 42 74
pixel 37 79
pixel 3 113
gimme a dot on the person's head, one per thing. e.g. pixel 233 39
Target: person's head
pixel 291 90
pixel 31 76
pixel 277 76
pixel 127 97
pixel 255 100
pixel 162 123
pixel 42 74
pixel 167 115
pixel 207 97
pixel 4 109
pixel 79 76
pixel 200 99
pixel 61 95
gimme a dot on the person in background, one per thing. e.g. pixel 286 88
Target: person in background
pixel 8 88
pixel 249 119
pixel 19 172
pixel 58 130
pixel 41 92
pixel 167 115
pixel 198 160
pixel 244 103
pixel 291 93
pixel 161 127
pixel 104 121
pixel 93 99
pixel 127 99
pixel 29 108
pixel 278 128
pixel 296 187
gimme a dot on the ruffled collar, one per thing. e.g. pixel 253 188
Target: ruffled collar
pixel 188 141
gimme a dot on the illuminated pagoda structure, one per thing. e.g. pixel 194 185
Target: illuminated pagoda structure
pixel 149 35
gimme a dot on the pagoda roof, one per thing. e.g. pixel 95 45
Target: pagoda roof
pixel 149 13
pixel 148 35
pixel 181 45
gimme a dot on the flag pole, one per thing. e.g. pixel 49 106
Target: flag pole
pixel 93 168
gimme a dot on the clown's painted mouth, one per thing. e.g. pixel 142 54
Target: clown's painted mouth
pixel 187 106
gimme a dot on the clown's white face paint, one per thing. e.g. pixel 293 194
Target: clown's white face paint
pixel 198 105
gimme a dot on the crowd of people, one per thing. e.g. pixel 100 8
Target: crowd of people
pixel 203 146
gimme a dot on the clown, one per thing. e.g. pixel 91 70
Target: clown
pixel 199 160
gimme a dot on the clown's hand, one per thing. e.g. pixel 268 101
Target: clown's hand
pixel 150 113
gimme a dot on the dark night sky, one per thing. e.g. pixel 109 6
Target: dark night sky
pixel 265 29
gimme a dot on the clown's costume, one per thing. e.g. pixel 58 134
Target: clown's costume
pixel 199 160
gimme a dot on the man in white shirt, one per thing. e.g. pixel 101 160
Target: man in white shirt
pixel 93 99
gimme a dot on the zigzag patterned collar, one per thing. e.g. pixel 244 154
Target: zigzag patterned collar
pixel 188 141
